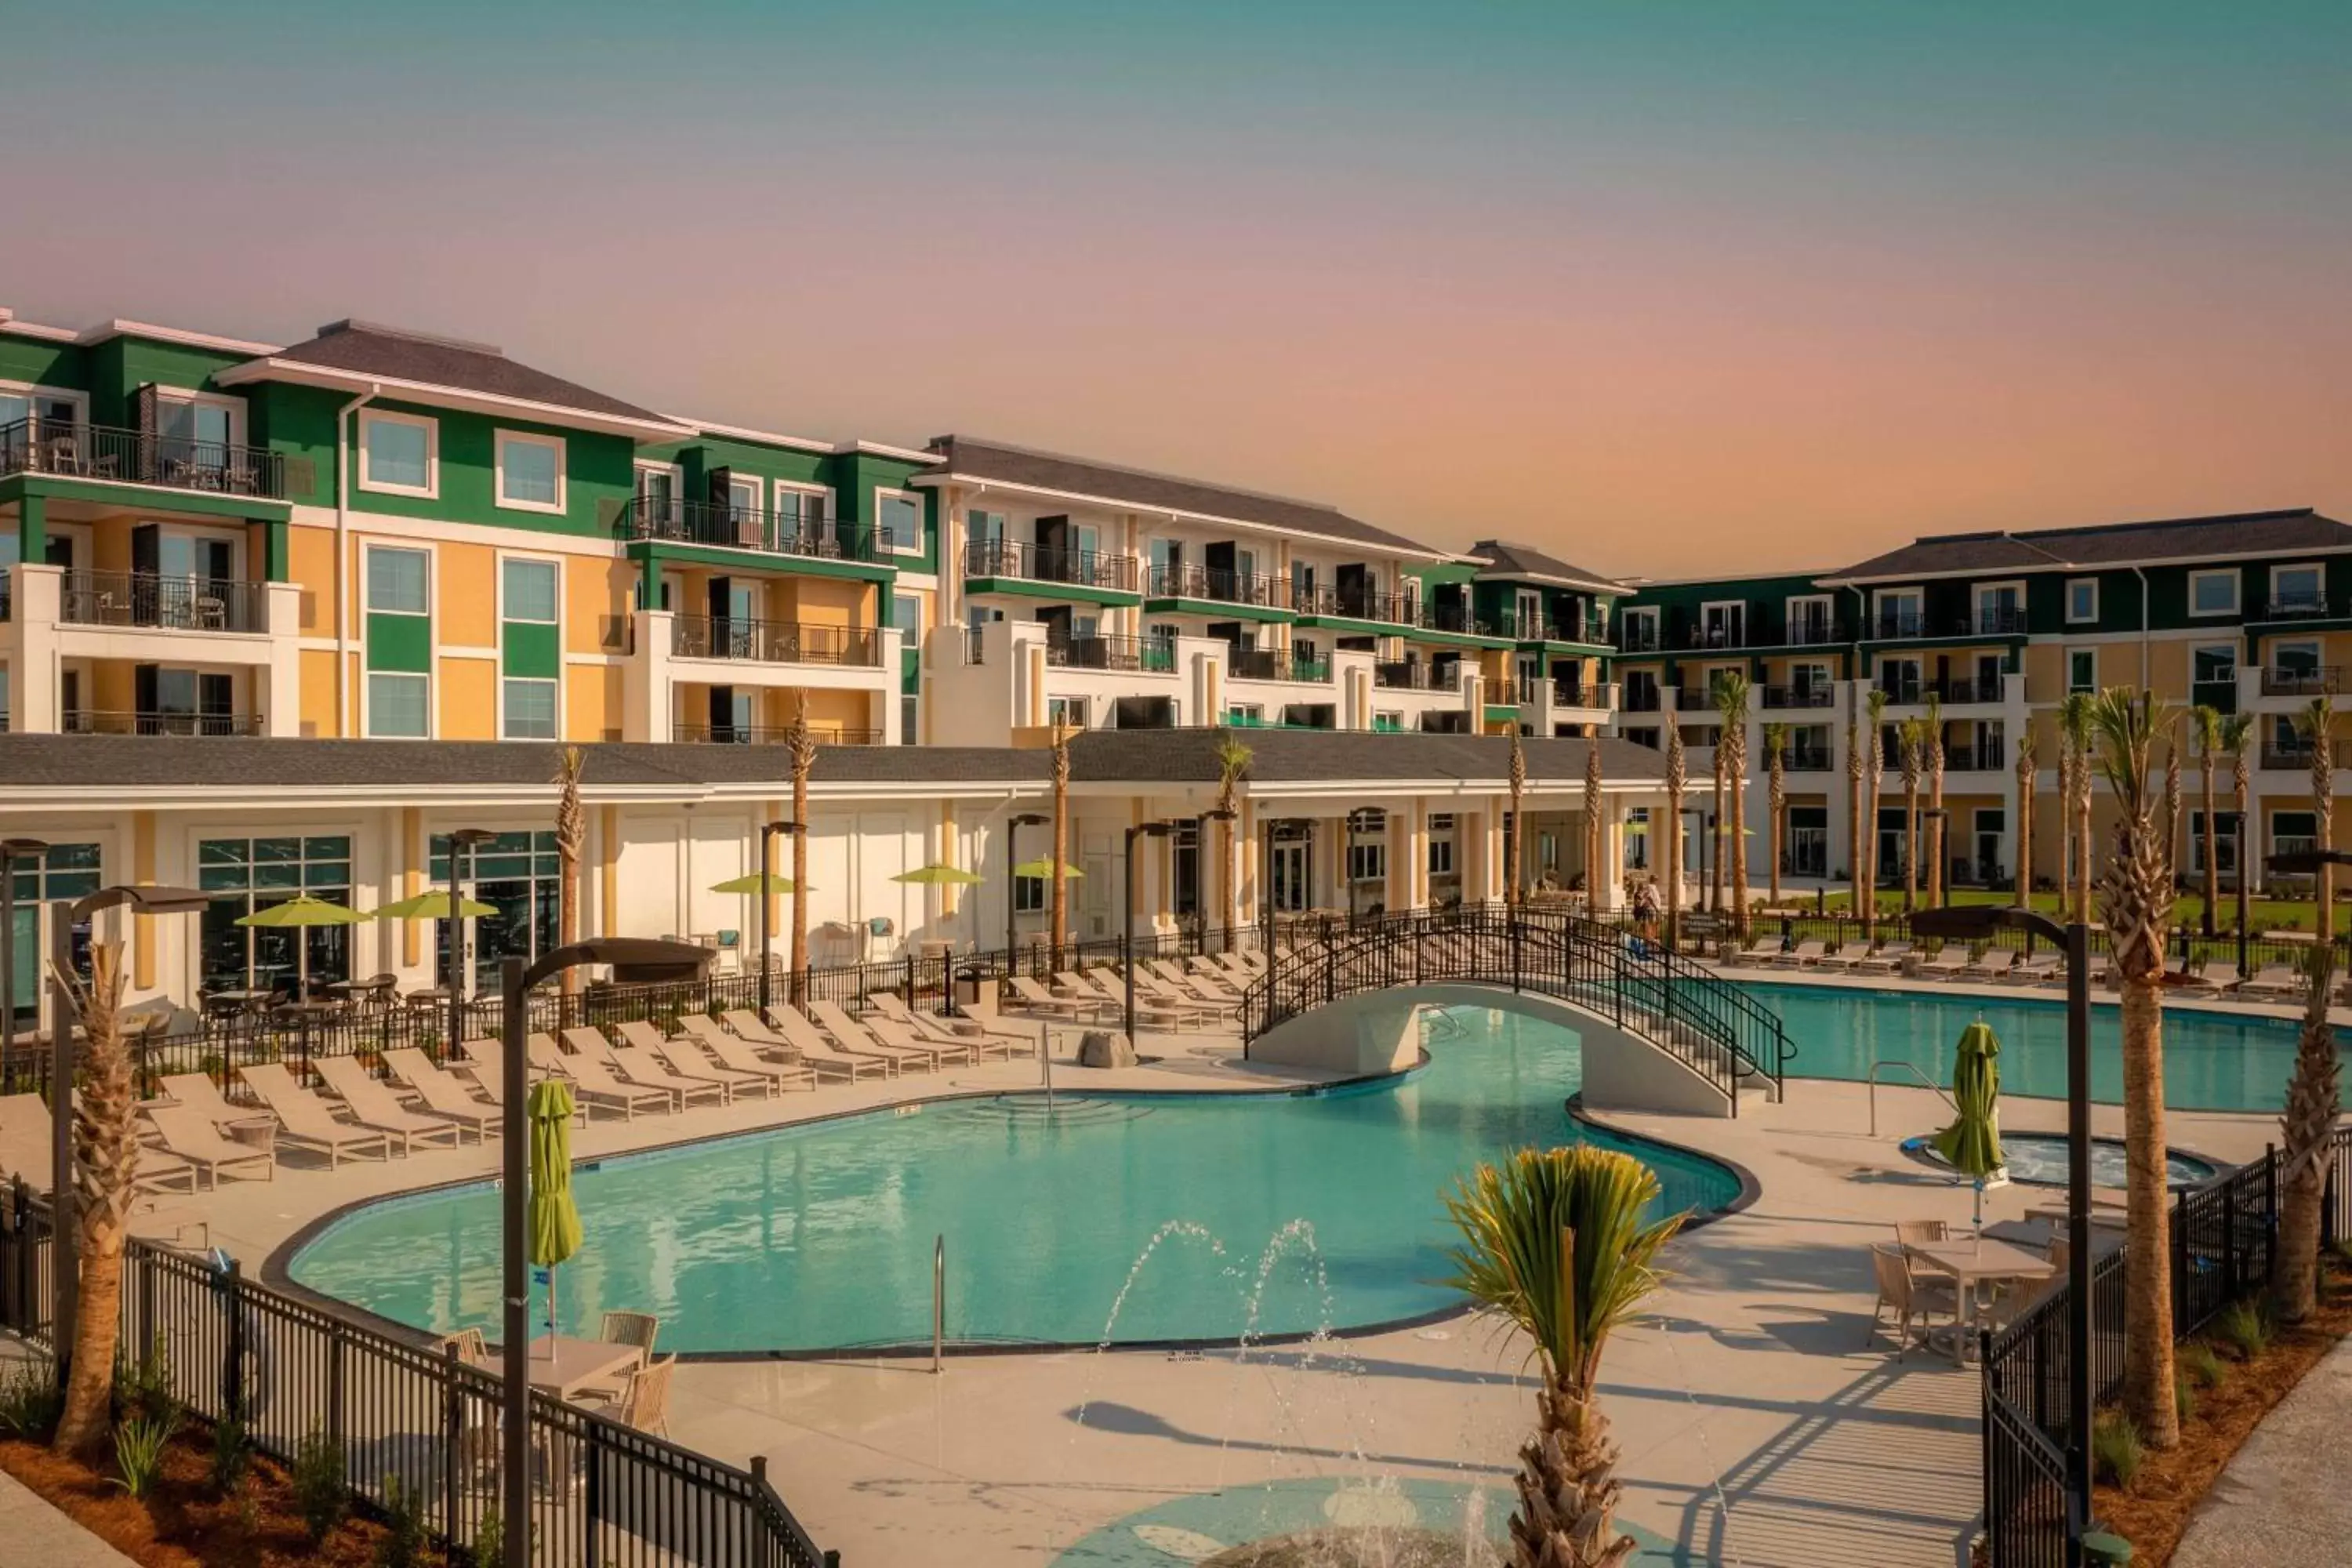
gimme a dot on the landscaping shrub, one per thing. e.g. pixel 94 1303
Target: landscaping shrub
pixel 403 1526
pixel 232 1455
pixel 2184 1398
pixel 143 1390
pixel 2198 1360
pixel 2115 1450
pixel 490 1540
pixel 319 1484
pixel 30 1403
pixel 2245 1327
pixel 139 1445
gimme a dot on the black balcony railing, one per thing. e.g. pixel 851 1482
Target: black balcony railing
pixel 1814 631
pixel 1799 696
pixel 775 642
pixel 2297 755
pixel 1357 605
pixel 1510 624
pixel 141 457
pixel 1412 675
pixel 1898 624
pixel 1185 581
pixel 1989 620
pixel 1638 636
pixel 762 529
pixel 1107 651
pixel 2291 607
pixel 1806 759
pixel 1695 699
pixel 1037 563
pixel 2001 620
pixel 1641 698
pixel 1901 689
pixel 1459 618
pixel 702 732
pixel 1985 756
pixel 2322 681
pixel 1273 664
pixel 143 721
pixel 169 603
pixel 1957 688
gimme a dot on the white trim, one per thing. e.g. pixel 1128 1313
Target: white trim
pixel 302 374
pixel 459 651
pixel 431 489
pixel 432 637
pixel 34 389
pixel 13 328
pixel 897 493
pixel 762 438
pixel 234 406
pixel 503 439
pixel 2072 618
pixel 2236 593
pixel 1977 596
pixel 119 328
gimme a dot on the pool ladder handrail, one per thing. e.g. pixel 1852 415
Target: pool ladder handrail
pixel 1911 1068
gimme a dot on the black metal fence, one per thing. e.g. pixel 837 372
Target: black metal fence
pixel 2187 948
pixel 2224 1246
pixel 400 1411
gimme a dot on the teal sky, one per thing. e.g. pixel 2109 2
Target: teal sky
pixel 1781 276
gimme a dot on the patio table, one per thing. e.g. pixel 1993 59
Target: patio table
pixel 1975 1261
pixel 564 1365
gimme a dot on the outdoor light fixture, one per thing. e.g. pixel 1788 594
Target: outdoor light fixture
pixel 1140 830
pixel 1968 922
pixel 140 898
pixel 768 831
pixel 10 851
pixel 1013 828
pixel 516 982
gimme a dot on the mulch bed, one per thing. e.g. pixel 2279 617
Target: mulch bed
pixel 2170 1485
pixel 181 1523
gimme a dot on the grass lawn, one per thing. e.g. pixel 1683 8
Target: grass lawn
pixel 2266 914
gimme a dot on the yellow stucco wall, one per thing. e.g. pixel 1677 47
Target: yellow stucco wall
pixel 592 701
pixel 467 689
pixel 468 614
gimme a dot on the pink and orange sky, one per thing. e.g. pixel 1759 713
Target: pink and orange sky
pixel 1669 287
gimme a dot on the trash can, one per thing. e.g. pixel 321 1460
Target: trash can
pixel 975 992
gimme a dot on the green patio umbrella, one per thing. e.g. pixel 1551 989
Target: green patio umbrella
pixel 1972 1142
pixel 940 877
pixel 431 905
pixel 551 1221
pixel 300 912
pixel 755 883
pixel 1043 867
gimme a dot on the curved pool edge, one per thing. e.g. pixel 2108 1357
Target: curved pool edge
pixel 276 1273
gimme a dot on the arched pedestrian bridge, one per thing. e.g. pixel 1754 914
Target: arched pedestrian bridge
pixel 1661 1032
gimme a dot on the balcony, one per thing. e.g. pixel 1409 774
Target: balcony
pixel 1799 696
pixel 1814 631
pixel 1034 563
pixel 1986 756
pixel 1905 625
pixel 1593 629
pixel 34 445
pixel 1641 698
pixel 167 604
pixel 2323 680
pixel 702 732
pixel 1184 580
pixel 1957 688
pixel 1638 636
pixel 1456 618
pixel 761 529
pixel 1695 700
pixel 775 642
pixel 1342 603
pixel 2296 756
pixel 1273 664
pixel 1806 760
pixel 1148 656
pixel 2292 607
pixel 143 721
pixel 1413 676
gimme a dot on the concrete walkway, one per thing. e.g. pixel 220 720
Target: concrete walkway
pixel 37 1533
pixel 2281 1503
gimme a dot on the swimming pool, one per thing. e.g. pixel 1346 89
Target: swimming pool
pixel 1275 1213
pixel 2212 1061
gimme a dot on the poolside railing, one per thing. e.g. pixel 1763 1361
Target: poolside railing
pixel 2224 1237
pixel 400 1411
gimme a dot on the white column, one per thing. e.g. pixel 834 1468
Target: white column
pixel 40 596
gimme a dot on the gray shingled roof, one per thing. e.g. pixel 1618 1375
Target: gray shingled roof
pixel 1310 756
pixel 2108 545
pixel 966 456
pixel 362 348
pixel 1503 558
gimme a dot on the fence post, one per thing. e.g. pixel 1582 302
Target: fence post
pixel 335 1388
pixel 592 1507
pixel 453 1434
pixel 910 979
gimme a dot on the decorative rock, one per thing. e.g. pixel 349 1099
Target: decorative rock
pixel 1105 1048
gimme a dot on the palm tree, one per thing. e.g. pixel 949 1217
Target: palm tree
pixel 1717 824
pixel 2206 721
pixel 1232 766
pixel 1731 694
pixel 1515 850
pixel 1856 831
pixel 1913 742
pixel 106 1166
pixel 1932 738
pixel 2305 1131
pixel 1554 1244
pixel 1876 765
pixel 2172 795
pixel 1058 890
pixel 2236 731
pixel 2025 776
pixel 571 843
pixel 800 752
pixel 2075 730
pixel 1671 830
pixel 2136 900
pixel 2311 726
pixel 1596 841
pixel 1776 798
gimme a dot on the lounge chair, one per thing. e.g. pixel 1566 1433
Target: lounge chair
pixel 483 1063
pixel 1885 960
pixel 1847 956
pixel 26 1150
pixel 801 1041
pixel 899 1036
pixel 1035 998
pixel 374 1105
pixel 1951 959
pixel 2277 982
pixel 197 1091
pixel 804 1033
pixel 2033 970
pixel 1763 951
pixel 593 1078
pixel 303 1119
pixel 587 1040
pixel 646 1070
pixel 739 1057
pixel 445 1094
pixel 684 1057
pixel 1995 963
pixel 1803 954
pixel 190 1135
pixel 1160 1002
pixel 974 1032
pixel 854 1037
pixel 2212 980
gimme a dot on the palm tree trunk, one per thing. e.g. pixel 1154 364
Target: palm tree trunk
pixel 1910 841
pixel 2082 840
pixel 2312 1095
pixel 1936 825
pixel 1870 771
pixel 801 751
pixel 2024 870
pixel 1232 901
pixel 106 1166
pixel 1776 801
pixel 1057 880
pixel 2212 872
pixel 1857 831
pixel 2149 1395
pixel 1671 831
pixel 1714 871
pixel 1735 839
pixel 1568 1489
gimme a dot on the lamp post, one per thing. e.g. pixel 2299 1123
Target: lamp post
pixel 471 840
pixel 140 898
pixel 1127 897
pixel 516 982
pixel 10 851
pixel 1966 922
pixel 1012 826
pixel 768 834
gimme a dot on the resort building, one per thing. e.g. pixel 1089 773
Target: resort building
pixel 2247 612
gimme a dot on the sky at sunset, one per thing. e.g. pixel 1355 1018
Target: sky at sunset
pixel 1665 286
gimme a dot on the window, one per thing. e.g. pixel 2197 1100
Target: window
pixel 2081 601
pixel 2298 590
pixel 399 453
pixel 1368 862
pixel 910 719
pixel 1901 612
pixel 1638 627
pixel 396 580
pixel 1441 854
pixel 530 472
pixel 899 517
pixel 1029 893
pixel 1388 722
pixel 397 705
pixel 2225 842
pixel 530 649
pixel 2213 592
pixel 1637 839
pixel 198 426
pixel 243 875
pixel 2001 608
pixel 398 642
pixel 2293 831
pixel 520 876
pixel 2081 670
pixel 1809 619
pixel 1067 712
pixel 49 405
pixel 907 614
pixel 659 486
pixel 1245 715
pixel 530 709
pixel 984 525
pixel 1723 624
pixel 2213 671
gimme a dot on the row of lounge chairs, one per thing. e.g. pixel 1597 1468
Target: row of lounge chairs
pixel 2274 983
pixel 1168 995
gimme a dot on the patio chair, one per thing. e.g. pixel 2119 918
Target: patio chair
pixel 1950 960
pixel 587 1040
pixel 1995 963
pixel 637 1328
pixel 1803 954
pixel 1885 960
pixel 738 1057
pixel 197 1091
pixel 900 1036
pixel 592 1079
pixel 2033 971
pixel 1763 951
pixel 851 1036
pixel 26 1150
pixel 974 1030
pixel 192 1136
pixel 484 1065
pixel 799 1041
pixel 444 1095
pixel 646 1070
pixel 1034 998
pixel 1921 1232
pixel 1909 1297
pixel 374 1105
pixel 303 1119
pixel 1847 956
pixel 472 1348
pixel 2275 982
pixel 645 1406
pixel 2209 979
pixel 683 1056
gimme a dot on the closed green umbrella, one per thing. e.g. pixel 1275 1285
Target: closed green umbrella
pixel 1971 1144
pixel 431 905
pixel 551 1221
pixel 298 912
pixel 940 877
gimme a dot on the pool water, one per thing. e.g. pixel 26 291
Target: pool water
pixel 1273 1213
pixel 2211 1061
pixel 2039 1158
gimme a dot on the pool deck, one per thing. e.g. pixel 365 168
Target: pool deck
pixel 1756 1424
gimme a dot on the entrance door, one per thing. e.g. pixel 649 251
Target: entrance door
pixel 1891 846
pixel 1991 824
pixel 1289 876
